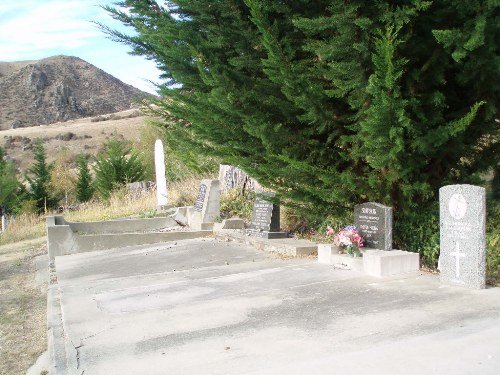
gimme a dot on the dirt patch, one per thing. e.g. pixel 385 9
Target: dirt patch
pixel 23 311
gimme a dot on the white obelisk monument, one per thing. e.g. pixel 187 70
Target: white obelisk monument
pixel 161 181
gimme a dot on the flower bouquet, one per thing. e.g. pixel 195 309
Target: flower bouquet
pixel 348 239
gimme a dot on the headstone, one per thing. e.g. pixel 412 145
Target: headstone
pixel 266 219
pixel 462 213
pixel 4 223
pixel 207 206
pixel 231 177
pixel 161 181
pixel 374 223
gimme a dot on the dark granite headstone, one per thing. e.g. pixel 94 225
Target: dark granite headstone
pixel 200 199
pixel 265 219
pixel 374 223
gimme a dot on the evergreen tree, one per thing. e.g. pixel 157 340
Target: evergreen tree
pixel 10 188
pixel 115 167
pixel 329 103
pixel 38 178
pixel 84 188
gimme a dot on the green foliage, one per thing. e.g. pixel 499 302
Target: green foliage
pixel 84 187
pixel 493 242
pixel 330 104
pixel 39 179
pixel 116 166
pixel 418 231
pixel 234 202
pixel 11 191
pixel 181 162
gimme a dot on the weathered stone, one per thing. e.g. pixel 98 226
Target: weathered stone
pixel 462 213
pixel 161 181
pixel 374 223
pixel 207 205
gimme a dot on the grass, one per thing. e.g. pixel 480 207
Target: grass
pixel 22 307
pixel 120 205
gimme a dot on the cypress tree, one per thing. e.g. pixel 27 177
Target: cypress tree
pixel 329 103
pixel 38 178
pixel 84 188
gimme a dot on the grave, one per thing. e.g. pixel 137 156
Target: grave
pixel 462 217
pixel 161 181
pixel 265 219
pixel 374 223
pixel 207 206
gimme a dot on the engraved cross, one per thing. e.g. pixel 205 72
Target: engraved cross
pixel 457 254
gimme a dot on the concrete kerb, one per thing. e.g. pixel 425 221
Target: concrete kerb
pixel 282 246
pixel 64 237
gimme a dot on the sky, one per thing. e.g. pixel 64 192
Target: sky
pixel 35 29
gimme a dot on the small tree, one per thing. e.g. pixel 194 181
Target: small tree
pixel 115 167
pixel 10 188
pixel 39 180
pixel 84 188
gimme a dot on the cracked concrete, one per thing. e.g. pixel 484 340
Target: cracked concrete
pixel 209 307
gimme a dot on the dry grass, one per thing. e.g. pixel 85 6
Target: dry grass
pixel 23 227
pixel 88 137
pixel 23 316
pixel 120 205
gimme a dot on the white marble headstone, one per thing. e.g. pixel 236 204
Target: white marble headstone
pixel 462 211
pixel 161 181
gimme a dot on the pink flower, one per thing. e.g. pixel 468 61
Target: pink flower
pixel 330 231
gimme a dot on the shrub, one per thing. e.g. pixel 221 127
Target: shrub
pixel 235 202
pixel 115 167
pixel 493 243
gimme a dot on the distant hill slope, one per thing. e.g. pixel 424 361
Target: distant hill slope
pixel 58 88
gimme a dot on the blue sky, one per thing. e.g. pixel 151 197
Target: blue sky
pixel 35 29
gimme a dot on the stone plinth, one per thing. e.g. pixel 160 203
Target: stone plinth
pixel 381 263
pixel 325 252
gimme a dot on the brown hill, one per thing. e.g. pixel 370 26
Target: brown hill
pixel 68 139
pixel 58 88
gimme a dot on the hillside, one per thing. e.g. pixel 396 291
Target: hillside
pixel 58 88
pixel 72 137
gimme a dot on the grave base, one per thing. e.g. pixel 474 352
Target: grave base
pixel 382 263
pixel 264 234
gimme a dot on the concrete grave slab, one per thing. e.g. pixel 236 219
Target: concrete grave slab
pixel 210 307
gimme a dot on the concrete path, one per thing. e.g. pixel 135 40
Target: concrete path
pixel 210 307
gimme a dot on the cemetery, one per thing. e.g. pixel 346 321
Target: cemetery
pixel 337 205
pixel 238 278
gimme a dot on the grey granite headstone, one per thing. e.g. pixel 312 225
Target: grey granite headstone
pixel 374 223
pixel 265 219
pixel 462 212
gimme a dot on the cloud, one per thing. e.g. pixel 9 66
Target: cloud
pixel 31 28
pixel 35 29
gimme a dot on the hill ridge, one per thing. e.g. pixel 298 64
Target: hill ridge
pixel 59 88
